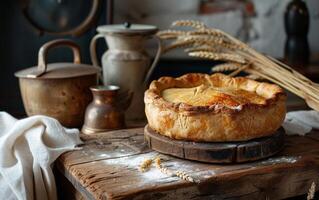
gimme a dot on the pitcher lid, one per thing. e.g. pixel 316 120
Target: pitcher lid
pixel 128 28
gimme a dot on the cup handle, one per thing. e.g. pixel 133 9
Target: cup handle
pixel 156 59
pixel 43 53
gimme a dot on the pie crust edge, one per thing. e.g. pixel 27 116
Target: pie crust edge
pixel 214 123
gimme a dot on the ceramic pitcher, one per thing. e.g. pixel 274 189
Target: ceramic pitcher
pixel 126 63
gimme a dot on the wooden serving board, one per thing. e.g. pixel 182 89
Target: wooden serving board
pixel 216 152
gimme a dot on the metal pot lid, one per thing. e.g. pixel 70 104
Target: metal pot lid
pixel 59 71
pixel 128 28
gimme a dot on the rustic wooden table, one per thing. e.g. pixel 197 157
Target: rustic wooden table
pixel 107 167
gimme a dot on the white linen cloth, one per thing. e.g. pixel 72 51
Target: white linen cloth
pixel 28 147
pixel 301 122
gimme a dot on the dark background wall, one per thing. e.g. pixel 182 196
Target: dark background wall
pixel 19 45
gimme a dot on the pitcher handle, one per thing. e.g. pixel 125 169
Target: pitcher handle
pixel 157 56
pixel 93 55
pixel 94 58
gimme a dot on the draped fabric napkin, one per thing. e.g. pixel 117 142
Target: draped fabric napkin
pixel 301 122
pixel 28 147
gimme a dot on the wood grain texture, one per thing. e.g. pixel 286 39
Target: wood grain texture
pixel 216 152
pixel 107 168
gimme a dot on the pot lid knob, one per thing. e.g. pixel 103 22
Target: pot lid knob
pixel 127 24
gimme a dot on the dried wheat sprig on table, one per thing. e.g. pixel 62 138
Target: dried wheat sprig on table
pixel 180 174
pixel 164 170
pixel 146 165
pixel 184 176
pixel 206 40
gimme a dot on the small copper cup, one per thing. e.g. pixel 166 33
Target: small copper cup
pixel 107 110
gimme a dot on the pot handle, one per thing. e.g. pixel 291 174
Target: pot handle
pixel 43 52
pixel 157 56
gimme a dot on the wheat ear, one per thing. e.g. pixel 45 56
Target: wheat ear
pixel 180 174
pixel 170 34
pixel 177 44
pixel 184 176
pixel 226 67
pixel 190 23
pixel 218 56
pixel 312 191
pixel 209 32
pixel 145 165
pixel 253 76
pixel 164 170
pixel 203 48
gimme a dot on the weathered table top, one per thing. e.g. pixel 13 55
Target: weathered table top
pixel 107 167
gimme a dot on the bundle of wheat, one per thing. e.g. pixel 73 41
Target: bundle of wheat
pixel 208 43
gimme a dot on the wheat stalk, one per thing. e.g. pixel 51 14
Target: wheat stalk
pixel 184 176
pixel 211 41
pixel 164 170
pixel 210 32
pixel 226 67
pixel 237 71
pixel 203 40
pixel 203 48
pixel 253 76
pixel 203 43
pixel 312 191
pixel 180 174
pixel 190 23
pixel 170 34
pixel 146 165
pixel 177 44
pixel 218 56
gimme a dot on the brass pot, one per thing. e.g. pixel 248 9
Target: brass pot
pixel 58 90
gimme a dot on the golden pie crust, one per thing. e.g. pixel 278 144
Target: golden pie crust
pixel 214 108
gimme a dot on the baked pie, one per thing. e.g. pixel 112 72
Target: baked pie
pixel 214 108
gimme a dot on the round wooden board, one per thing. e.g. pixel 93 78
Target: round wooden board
pixel 216 152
